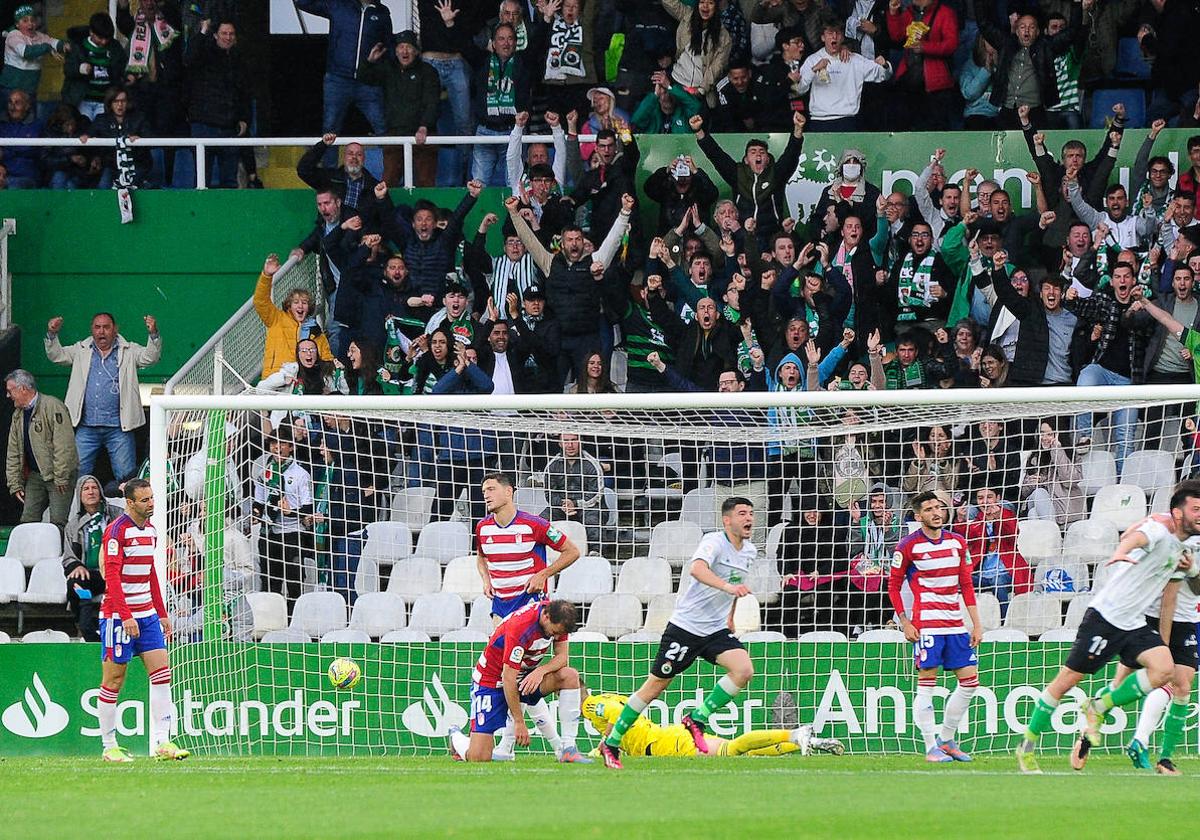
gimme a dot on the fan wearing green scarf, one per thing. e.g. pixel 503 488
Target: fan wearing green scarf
pixel 90 515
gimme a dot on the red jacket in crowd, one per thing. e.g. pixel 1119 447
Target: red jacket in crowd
pixel 937 47
pixel 1003 541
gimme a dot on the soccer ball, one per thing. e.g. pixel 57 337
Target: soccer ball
pixel 344 673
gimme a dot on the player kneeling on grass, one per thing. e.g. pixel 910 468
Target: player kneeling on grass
pixel 1148 564
pixel 702 625
pixel 508 674
pixel 133 620
pixel 937 567
pixel 648 738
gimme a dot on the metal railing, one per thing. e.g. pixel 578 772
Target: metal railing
pixel 7 228
pixel 201 145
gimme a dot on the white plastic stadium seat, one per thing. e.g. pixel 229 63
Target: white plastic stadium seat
pixel 1059 634
pixel 576 533
pixel 1061 577
pixel 1075 610
pixel 12 579
pixel 675 541
pixel 584 580
pixel 531 500
pixel 1162 500
pixel 462 577
pixel 286 637
pixel 1149 469
pixel 378 613
pixel 1004 634
pixel 1099 469
pixel 347 634
pixel 4 638
pixel 31 542
pixel 413 506
pixel 398 636
pixel 810 636
pixel 1090 540
pixel 1034 614
pixel 1037 538
pixel 481 615
pixel 366 579
pixel 764 580
pixel 387 542
pixel 47 583
pixel 645 577
pixel 443 541
pixel 582 636
pixel 414 577
pixel 747 614
pixel 269 610
pixel 614 615
pixel 989 611
pixel 641 636
pixel 438 613
pixel 658 613
pixel 45 637
pixel 1120 504
pixel 466 634
pixel 766 636
pixel 774 537
pixel 883 635
pixel 700 507
pixel 316 613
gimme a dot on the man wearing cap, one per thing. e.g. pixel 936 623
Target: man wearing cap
pixel 502 83
pixel 543 205
pixel 677 188
pixel 666 109
pixel 411 91
pixel 539 338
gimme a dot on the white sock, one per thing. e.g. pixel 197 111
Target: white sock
pixel 1153 708
pixel 162 710
pixel 544 721
pixel 923 713
pixel 568 715
pixel 508 739
pixel 459 743
pixel 107 708
pixel 957 706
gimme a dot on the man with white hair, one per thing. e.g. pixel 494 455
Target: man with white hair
pixel 42 463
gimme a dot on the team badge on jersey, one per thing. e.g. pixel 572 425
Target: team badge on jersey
pixel 553 534
pixel 112 546
pixel 897 560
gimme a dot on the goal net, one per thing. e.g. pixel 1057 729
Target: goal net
pixel 300 529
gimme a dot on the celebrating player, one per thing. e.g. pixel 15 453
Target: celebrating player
pixel 1150 560
pixel 938 569
pixel 648 738
pixel 702 625
pixel 133 620
pixel 508 674
pixel 512 564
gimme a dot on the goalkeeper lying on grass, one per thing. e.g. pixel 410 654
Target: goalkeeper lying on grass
pixel 648 738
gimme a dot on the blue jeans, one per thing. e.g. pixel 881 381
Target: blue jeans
pixel 998 582
pixel 1123 419
pixel 341 93
pixel 344 565
pixel 335 330
pixel 122 454
pixel 222 159
pixel 454 117
pixel 488 161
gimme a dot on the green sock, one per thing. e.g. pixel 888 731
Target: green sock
pixel 629 715
pixel 1136 686
pixel 1173 728
pixel 724 691
pixel 1040 721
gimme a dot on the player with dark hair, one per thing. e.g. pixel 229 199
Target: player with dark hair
pixel 702 625
pixel 937 566
pixel 509 673
pixel 1150 561
pixel 133 621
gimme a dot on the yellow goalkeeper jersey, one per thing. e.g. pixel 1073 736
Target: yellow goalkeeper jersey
pixel 643 738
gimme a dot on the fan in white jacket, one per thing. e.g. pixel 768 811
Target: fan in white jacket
pixel 836 78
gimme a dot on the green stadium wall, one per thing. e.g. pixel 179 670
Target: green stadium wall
pixel 191 257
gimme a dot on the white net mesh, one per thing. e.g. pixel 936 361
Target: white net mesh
pixel 355 538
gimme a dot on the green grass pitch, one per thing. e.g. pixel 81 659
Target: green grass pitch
pixel 786 797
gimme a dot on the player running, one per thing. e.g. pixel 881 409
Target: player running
pixel 1150 561
pixel 511 558
pixel 133 620
pixel 937 567
pixel 648 738
pixel 509 673
pixel 702 625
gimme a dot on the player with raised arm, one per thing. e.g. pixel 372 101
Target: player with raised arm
pixel 937 567
pixel 133 621
pixel 1149 562
pixel 648 738
pixel 702 625
pixel 511 557
pixel 509 672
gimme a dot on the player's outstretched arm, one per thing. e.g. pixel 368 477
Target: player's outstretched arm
pixel 702 572
pixel 1132 540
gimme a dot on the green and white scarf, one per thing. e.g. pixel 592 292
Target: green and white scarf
pixel 565 57
pixel 914 286
pixel 91 534
pixel 501 95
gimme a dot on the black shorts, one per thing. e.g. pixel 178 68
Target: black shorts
pixel 1097 642
pixel 1182 643
pixel 679 649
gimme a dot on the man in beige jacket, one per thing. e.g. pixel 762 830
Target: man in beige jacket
pixel 103 395
pixel 42 464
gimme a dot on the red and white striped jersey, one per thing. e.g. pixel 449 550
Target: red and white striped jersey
pixel 517 551
pixel 938 572
pixel 519 642
pixel 130 582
